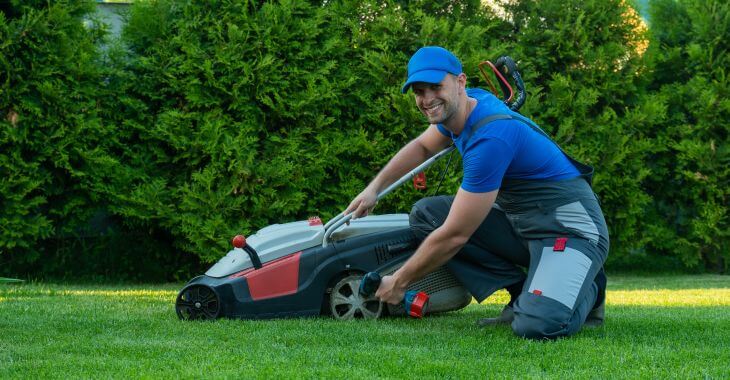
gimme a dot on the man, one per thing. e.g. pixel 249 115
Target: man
pixel 523 203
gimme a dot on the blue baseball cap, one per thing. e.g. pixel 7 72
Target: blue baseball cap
pixel 430 64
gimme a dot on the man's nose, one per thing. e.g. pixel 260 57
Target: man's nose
pixel 428 95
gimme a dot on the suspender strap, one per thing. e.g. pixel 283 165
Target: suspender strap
pixel 486 120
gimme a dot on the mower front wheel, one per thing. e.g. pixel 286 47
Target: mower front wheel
pixel 197 302
pixel 346 303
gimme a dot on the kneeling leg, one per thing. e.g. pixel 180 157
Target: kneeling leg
pixel 559 291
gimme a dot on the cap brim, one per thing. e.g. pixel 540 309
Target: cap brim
pixel 426 76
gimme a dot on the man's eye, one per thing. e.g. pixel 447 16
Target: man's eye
pixel 435 87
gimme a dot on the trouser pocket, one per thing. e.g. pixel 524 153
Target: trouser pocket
pixel 560 271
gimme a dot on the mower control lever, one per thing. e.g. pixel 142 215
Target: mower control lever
pixel 239 241
pixel 414 302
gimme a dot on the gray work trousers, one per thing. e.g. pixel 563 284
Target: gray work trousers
pixel 518 243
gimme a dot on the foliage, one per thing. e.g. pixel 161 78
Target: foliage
pixel 54 153
pixel 211 119
pixel 49 126
pixel 250 115
pixel 690 52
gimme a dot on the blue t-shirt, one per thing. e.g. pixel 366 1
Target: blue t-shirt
pixel 504 149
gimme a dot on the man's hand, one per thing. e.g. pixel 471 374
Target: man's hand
pixel 389 291
pixel 363 204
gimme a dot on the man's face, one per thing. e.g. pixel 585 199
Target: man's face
pixel 438 102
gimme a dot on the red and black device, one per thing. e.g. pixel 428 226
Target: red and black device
pixel 415 303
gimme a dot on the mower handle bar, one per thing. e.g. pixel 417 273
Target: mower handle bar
pixel 343 218
pixel 505 65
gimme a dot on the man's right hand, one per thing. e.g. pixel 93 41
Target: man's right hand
pixel 363 204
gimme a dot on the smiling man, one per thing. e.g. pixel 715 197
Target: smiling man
pixel 524 218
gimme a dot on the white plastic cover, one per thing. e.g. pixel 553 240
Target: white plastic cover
pixel 279 240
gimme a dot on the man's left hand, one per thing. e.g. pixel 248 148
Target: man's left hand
pixel 389 291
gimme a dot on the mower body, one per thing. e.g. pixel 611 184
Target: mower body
pixel 301 276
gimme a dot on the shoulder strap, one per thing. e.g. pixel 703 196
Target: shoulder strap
pixel 486 120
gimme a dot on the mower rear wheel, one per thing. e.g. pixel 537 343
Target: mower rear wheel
pixel 197 302
pixel 346 302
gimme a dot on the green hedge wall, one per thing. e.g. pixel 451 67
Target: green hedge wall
pixel 56 154
pixel 207 120
pixel 689 51
pixel 254 114
pixel 50 123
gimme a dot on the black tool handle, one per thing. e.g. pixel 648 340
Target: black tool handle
pixel 370 283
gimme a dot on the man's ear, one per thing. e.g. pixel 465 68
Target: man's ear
pixel 461 78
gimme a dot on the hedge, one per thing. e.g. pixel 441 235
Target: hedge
pixel 207 120
pixel 690 57
pixel 50 124
pixel 54 154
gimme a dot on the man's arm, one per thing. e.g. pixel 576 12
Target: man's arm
pixel 430 142
pixel 467 212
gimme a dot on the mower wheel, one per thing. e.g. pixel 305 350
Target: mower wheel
pixel 197 302
pixel 346 303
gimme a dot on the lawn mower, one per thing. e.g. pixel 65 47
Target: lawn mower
pixel 307 268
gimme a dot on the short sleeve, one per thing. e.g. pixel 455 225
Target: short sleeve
pixel 485 162
pixel 443 131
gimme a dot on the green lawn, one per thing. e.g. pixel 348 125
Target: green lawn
pixel 657 327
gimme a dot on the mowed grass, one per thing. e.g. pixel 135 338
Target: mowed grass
pixel 657 327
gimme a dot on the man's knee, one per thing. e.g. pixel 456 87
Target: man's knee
pixel 537 327
pixel 429 213
pixel 539 317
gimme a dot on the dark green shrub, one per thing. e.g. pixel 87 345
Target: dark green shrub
pixel 251 114
pixel 49 123
pixel 690 185
pixel 55 102
pixel 216 118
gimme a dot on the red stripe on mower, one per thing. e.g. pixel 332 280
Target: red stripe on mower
pixel 275 279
